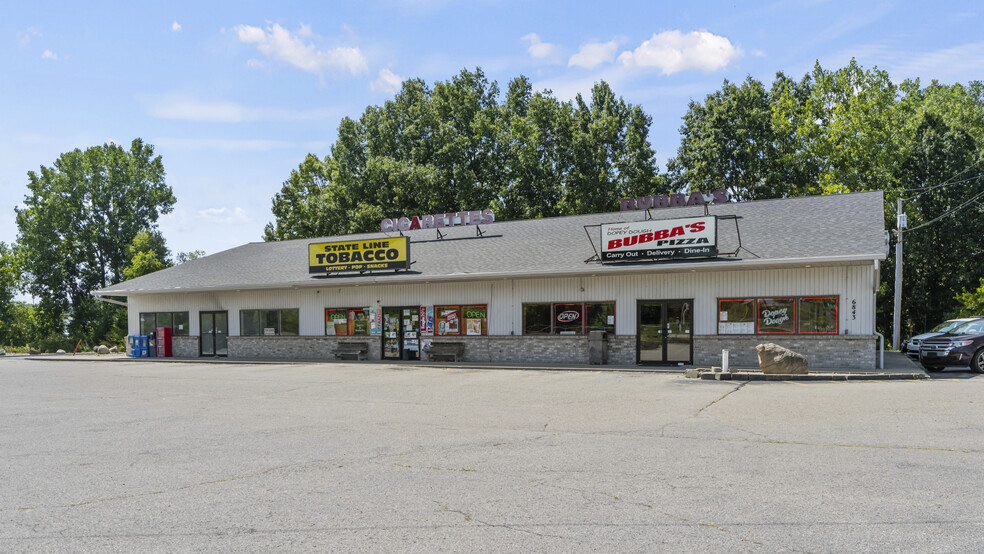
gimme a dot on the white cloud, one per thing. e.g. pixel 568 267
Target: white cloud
pixel 225 215
pixel 188 108
pixel 176 27
pixel 387 81
pixel 280 44
pixel 49 55
pixel 673 52
pixel 539 49
pixel 25 38
pixel 593 54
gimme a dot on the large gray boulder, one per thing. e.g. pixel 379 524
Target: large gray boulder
pixel 114 350
pixel 3 352
pixel 102 349
pixel 776 359
pixel 59 351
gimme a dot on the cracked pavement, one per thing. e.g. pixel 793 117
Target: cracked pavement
pixel 127 456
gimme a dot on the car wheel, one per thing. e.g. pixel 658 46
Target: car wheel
pixel 977 362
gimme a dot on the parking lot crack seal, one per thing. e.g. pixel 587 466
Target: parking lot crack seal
pixel 696 414
pixel 469 518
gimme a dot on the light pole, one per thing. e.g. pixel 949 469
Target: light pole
pixel 900 221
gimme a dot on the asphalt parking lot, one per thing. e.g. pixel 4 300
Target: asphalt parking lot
pixel 131 456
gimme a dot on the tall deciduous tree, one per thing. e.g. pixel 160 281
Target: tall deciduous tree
pixel 75 226
pixel 459 146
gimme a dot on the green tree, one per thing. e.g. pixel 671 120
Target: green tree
pixel 730 141
pixel 9 283
pixel 183 257
pixel 971 302
pixel 148 253
pixel 77 221
pixel 944 240
pixel 457 146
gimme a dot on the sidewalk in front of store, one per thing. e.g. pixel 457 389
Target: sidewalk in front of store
pixel 897 366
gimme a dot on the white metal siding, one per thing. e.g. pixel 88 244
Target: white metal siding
pixel 852 283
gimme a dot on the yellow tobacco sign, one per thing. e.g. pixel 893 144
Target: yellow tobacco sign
pixel 359 255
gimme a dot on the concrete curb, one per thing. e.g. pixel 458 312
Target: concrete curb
pixel 757 376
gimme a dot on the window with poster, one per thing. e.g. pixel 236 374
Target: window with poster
pixel 476 320
pixel 447 320
pixel 346 321
pixel 461 320
pixel 807 315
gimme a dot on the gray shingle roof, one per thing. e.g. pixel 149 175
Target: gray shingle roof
pixel 842 227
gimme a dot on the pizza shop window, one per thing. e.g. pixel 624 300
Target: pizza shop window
pixel 177 321
pixel 255 323
pixel 802 315
pixel 818 315
pixel 568 318
pixel 347 321
pixel 536 319
pixel 599 316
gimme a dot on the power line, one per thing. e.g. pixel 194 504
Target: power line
pixel 927 189
pixel 951 212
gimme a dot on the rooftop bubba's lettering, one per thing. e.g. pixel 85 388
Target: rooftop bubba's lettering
pixel 719 196
pixel 359 255
pixel 436 221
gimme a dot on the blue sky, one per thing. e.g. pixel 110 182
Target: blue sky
pixel 234 94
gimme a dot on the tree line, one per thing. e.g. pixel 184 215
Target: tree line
pixel 90 219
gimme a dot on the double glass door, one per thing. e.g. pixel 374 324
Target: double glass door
pixel 664 332
pixel 401 333
pixel 214 333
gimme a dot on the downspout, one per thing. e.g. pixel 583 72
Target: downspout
pixel 881 350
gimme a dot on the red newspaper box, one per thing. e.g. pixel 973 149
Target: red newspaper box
pixel 163 342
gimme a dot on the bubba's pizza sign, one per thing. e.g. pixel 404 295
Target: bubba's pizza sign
pixel 691 237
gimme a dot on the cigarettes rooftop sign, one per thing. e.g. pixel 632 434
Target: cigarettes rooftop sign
pixel 719 196
pixel 478 217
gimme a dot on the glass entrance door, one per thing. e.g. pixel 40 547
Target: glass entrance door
pixel 664 332
pixel 213 333
pixel 401 333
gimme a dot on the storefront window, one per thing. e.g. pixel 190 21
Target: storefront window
pixel 336 322
pixel 476 320
pixel 600 316
pixel 776 315
pixel 269 322
pixel 536 319
pixel 358 321
pixel 568 319
pixel 447 320
pixel 818 315
pixel 177 321
pixel 736 317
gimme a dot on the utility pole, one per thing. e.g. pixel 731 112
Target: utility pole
pixel 900 221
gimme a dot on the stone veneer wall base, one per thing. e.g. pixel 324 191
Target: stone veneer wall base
pixel 823 352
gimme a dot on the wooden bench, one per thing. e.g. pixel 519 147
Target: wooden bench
pixel 452 350
pixel 352 350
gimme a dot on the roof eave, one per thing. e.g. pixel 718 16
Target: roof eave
pixel 593 271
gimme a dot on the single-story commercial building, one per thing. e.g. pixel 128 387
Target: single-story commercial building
pixel 671 280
